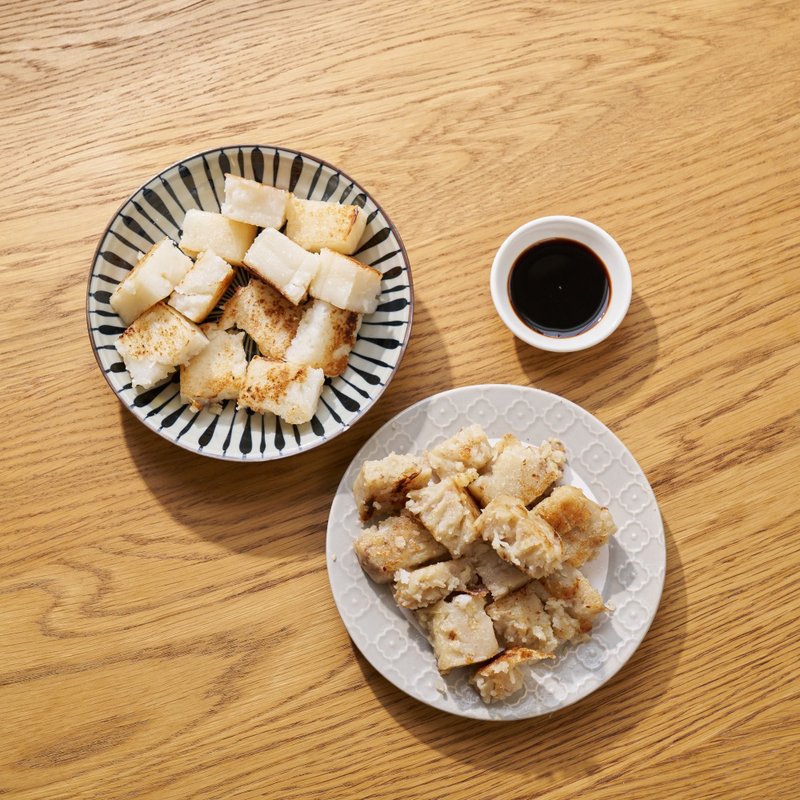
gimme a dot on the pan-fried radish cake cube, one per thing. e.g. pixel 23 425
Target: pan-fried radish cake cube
pixel 584 526
pixel 289 390
pixel 568 590
pixel 464 454
pixel 460 631
pixel 155 275
pixel 520 471
pixel 498 576
pixel 448 512
pixel 315 224
pixel 202 286
pixel 254 203
pixel 382 486
pixel 565 627
pixel 395 543
pixel 216 373
pixel 265 315
pixel 206 230
pixel 521 620
pixel 520 537
pixel 427 585
pixel 346 283
pixel 503 677
pixel 325 337
pixel 280 262
pixel 160 340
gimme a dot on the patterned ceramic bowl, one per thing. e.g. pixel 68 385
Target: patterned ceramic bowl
pixel 156 210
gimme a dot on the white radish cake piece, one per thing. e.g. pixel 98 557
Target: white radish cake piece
pixel 583 526
pixel 280 262
pixel 291 391
pixel 155 275
pixel 448 512
pixel 498 576
pixel 216 373
pixel 427 585
pixel 382 486
pixel 202 286
pixel 462 455
pixel 395 543
pixel 520 537
pixel 254 203
pixel 265 315
pixel 460 631
pixel 572 602
pixel 521 620
pixel 160 340
pixel 503 677
pixel 315 224
pixel 325 337
pixel 206 230
pixel 346 283
pixel 520 470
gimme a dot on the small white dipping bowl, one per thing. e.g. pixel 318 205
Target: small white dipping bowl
pixel 578 230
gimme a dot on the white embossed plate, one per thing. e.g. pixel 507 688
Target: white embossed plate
pixel 629 571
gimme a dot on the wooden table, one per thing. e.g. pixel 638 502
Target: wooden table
pixel 167 626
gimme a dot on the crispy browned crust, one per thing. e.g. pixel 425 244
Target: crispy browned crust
pixel 520 470
pixel 396 543
pixel 220 378
pixel 583 526
pixel 394 496
pixel 337 221
pixel 272 387
pixel 514 656
pixel 361 264
pixel 570 513
pixel 142 341
pixel 390 493
pixel 265 315
pixel 217 296
pixel 345 330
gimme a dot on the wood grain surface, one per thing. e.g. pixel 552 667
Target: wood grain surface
pixel 166 623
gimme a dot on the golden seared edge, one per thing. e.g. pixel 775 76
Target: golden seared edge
pixel 152 279
pixel 502 677
pixel 216 373
pixel 396 543
pixel 315 224
pixel 582 525
pixel 520 470
pixel 324 337
pixel 289 390
pixel 382 486
pixel 160 340
pixel 265 315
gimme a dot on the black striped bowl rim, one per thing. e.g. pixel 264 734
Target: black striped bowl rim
pixel 156 210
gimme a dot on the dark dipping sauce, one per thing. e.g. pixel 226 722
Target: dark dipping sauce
pixel 559 287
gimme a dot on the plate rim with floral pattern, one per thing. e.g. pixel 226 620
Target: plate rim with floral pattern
pixel 153 210
pixel 636 554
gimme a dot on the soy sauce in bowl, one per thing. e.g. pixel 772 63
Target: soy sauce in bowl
pixel 559 287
